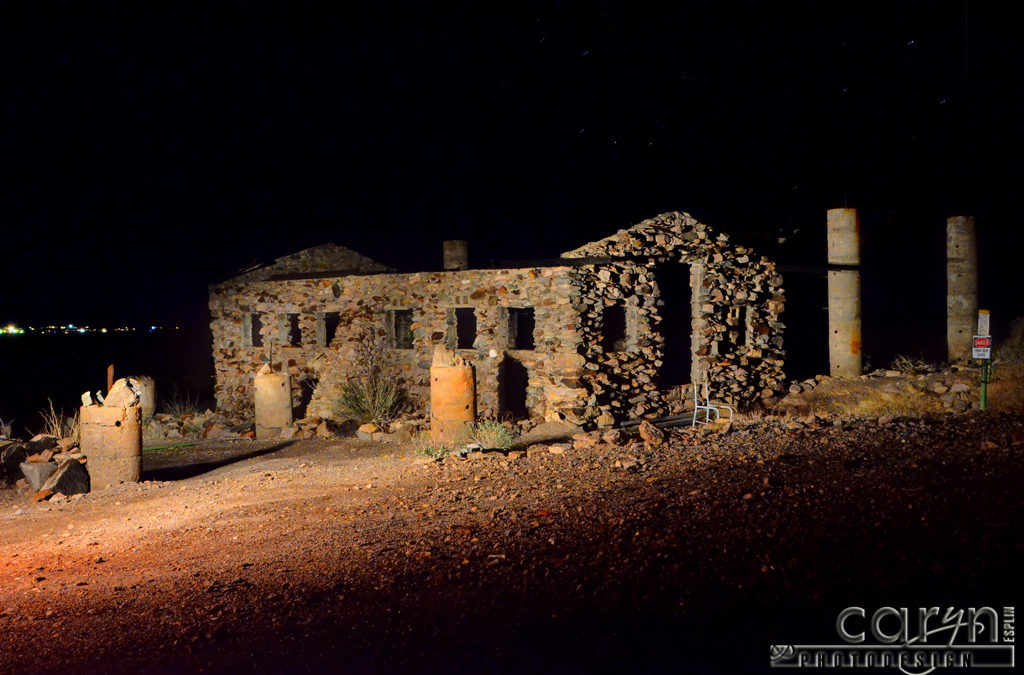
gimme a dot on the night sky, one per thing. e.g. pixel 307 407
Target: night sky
pixel 145 152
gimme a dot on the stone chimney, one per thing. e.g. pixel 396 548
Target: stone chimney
pixel 456 254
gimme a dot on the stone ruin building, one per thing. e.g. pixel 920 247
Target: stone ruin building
pixel 599 335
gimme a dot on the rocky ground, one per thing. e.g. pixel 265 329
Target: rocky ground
pixel 345 556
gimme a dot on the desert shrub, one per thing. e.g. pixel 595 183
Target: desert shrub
pixel 1009 355
pixel 372 394
pixel 425 446
pixel 372 398
pixel 907 364
pixel 492 435
pixel 179 403
pixel 5 428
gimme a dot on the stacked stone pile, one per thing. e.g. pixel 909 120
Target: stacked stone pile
pixel 737 340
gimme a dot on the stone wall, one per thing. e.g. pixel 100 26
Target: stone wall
pixel 734 305
pixel 363 305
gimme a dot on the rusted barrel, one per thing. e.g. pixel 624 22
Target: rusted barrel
pixel 111 439
pixel 273 404
pixel 452 401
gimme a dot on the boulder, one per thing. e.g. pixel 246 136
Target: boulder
pixel 550 431
pixel 11 456
pixel 122 395
pixel 651 434
pixel 41 442
pixel 70 478
pixel 37 473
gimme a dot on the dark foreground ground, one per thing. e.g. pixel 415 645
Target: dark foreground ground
pixel 347 557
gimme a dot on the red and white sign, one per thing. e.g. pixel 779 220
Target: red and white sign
pixel 982 347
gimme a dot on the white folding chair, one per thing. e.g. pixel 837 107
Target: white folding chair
pixel 712 411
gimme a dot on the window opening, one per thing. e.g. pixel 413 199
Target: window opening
pixel 331 322
pixel 255 330
pixel 465 327
pixel 520 327
pixel 294 336
pixel 613 328
pixel 401 329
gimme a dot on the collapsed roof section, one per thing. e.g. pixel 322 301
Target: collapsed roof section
pixel 326 258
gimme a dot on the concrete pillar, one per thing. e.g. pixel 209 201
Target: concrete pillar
pixel 273 404
pixel 961 286
pixel 111 439
pixel 146 386
pixel 844 353
pixel 456 254
pixel 452 397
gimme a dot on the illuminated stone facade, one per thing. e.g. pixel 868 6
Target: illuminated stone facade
pixel 581 338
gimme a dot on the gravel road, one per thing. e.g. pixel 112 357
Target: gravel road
pixel 342 556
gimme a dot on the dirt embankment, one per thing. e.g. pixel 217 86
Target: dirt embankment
pixel 353 557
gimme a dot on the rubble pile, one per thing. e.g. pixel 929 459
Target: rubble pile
pixel 52 468
pixel 884 393
pixel 737 340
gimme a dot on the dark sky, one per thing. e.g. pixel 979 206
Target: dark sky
pixel 145 152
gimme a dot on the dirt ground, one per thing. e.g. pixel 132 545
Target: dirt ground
pixel 317 556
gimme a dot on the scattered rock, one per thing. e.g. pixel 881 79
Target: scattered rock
pixel 558 449
pixel 627 464
pixel 651 434
pixel 42 495
pixel 364 433
pixel 958 387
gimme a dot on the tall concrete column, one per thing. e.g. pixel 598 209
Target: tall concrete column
pixel 961 286
pixel 844 352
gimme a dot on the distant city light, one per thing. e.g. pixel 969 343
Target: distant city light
pixel 72 329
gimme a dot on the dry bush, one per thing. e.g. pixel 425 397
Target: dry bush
pixel 425 446
pixel 492 435
pixel 5 428
pixel 1008 358
pixel 180 403
pixel 908 364
pixel 372 394
pixel 53 421
pixel 73 427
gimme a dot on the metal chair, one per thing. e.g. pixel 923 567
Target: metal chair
pixel 712 411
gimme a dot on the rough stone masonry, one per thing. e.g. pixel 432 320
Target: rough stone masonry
pixel 582 338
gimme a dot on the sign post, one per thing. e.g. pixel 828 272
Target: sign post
pixel 983 351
